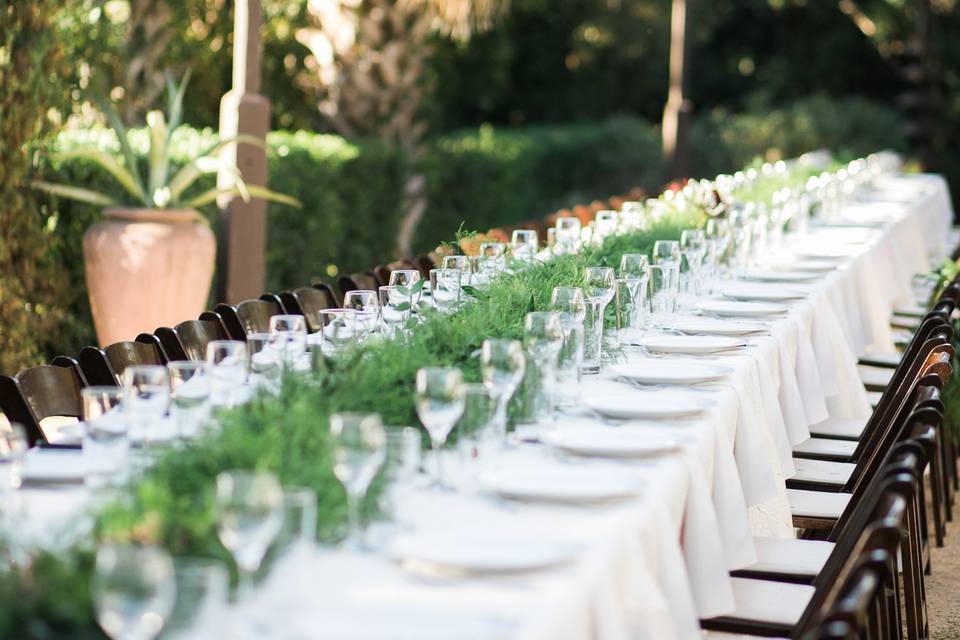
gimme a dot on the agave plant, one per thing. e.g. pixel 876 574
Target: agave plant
pixel 160 189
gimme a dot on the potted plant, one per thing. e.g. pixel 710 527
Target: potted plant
pixel 150 261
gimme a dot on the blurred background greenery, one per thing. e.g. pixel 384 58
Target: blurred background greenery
pixel 503 111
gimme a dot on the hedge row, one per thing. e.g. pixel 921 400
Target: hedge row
pixel 351 191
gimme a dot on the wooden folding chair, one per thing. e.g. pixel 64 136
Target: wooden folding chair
pixel 105 367
pixel 41 392
pixel 308 302
pixel 249 316
pixel 189 339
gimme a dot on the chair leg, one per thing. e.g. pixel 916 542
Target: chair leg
pixel 936 502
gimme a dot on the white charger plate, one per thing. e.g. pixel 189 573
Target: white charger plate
pixel 566 485
pixel 740 309
pixel 648 404
pixel 718 326
pixel 761 275
pixel 691 345
pixel 611 442
pixel 475 553
pixel 670 372
pixel 755 291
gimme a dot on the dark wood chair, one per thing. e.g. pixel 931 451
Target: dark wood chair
pixel 106 366
pixel 42 392
pixel 358 281
pixel 425 263
pixel 189 339
pixel 383 271
pixel 308 302
pixel 250 316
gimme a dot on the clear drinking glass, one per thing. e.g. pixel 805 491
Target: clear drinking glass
pixel 543 339
pixel 605 224
pixel 457 262
pixel 439 399
pixel 290 340
pixel 366 307
pixel 524 244
pixel 567 234
pixel 598 290
pixel 338 329
pixel 249 509
pixel 635 269
pixel 400 469
pixel 203 587
pixel 663 297
pixel 228 367
pixel 476 430
pixel 13 446
pixel 145 400
pixel 502 365
pixel 106 445
pixel 407 283
pixel 265 357
pixel 569 366
pixel 394 310
pixel 299 530
pixel 133 589
pixel 190 405
pixel 445 288
pixel 495 255
pixel 359 448
pixel 570 304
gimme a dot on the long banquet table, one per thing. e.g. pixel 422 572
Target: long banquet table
pixel 651 565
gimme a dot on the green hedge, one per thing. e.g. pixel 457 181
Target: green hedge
pixel 485 177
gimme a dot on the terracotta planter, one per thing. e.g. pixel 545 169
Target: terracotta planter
pixel 147 268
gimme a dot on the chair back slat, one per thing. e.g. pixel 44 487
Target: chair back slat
pixel 359 281
pixel 309 302
pixel 189 339
pixel 42 392
pixel 106 366
pixel 250 316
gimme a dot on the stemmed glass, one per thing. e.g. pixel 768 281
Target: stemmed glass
pixel 228 366
pixel 359 450
pixel 598 290
pixel 190 384
pixel 366 307
pixel 439 398
pixel 635 269
pixel 145 399
pixel 502 366
pixel 133 590
pixel 524 244
pixel 543 339
pixel 249 508
pixel 290 337
pixel 445 288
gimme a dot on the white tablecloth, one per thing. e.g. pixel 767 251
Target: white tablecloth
pixel 650 566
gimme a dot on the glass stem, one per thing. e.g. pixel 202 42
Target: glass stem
pixel 502 402
pixel 354 533
pixel 244 584
pixel 438 464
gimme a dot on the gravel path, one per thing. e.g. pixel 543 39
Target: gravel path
pixel 943 586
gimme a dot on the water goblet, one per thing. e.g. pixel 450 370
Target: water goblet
pixel 133 590
pixel 439 397
pixel 338 329
pixel 543 339
pixel 502 366
pixel 445 288
pixel 567 235
pixel 524 244
pixel 635 268
pixel 228 365
pixel 570 304
pixel 291 337
pixel 359 450
pixel 400 471
pixel 366 307
pixel 394 310
pixel 249 507
pixel 409 283
pixel 265 358
pixel 605 224
pixel 202 586
pixel 145 400
pixel 598 290
pixel 663 297
pixel 496 255
pixel 190 384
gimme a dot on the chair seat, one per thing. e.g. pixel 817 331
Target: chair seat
pixel 824 471
pixel 769 601
pixel 874 398
pixel 817 504
pixel 889 360
pixel 846 428
pixel 790 556
pixel 826 447
pixel 875 378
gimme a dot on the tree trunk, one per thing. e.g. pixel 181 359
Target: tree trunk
pixel 676 113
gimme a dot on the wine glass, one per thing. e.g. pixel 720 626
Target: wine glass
pixel 543 339
pixel 338 329
pixel 359 449
pixel 133 590
pixel 394 310
pixel 249 508
pixel 291 337
pixel 445 288
pixel 598 290
pixel 145 399
pixel 439 406
pixel 190 384
pixel 366 307
pixel 524 244
pixel 228 366
pixel 502 366
pixel 567 238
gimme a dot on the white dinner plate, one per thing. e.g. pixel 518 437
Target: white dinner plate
pixel 740 309
pixel 826 252
pixel 560 484
pixel 475 553
pixel 695 345
pixel 718 326
pixel 664 403
pixel 53 466
pixel 781 276
pixel 609 442
pixel 650 371
pixel 810 265
pixel 761 292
